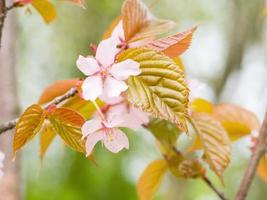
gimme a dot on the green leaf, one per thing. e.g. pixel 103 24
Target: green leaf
pixel 28 125
pixel 215 141
pixel 150 179
pixel 160 89
pixel 67 123
pixel 166 132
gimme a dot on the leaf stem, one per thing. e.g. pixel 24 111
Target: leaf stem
pixel 99 111
pixel 212 186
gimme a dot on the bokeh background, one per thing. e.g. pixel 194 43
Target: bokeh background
pixel 228 55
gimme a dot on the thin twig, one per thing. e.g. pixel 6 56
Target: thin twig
pixel 11 124
pixel 253 162
pixel 210 184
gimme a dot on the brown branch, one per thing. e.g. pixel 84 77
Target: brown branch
pixel 253 162
pixel 212 186
pixel 11 124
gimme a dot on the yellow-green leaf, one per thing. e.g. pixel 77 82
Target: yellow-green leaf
pixel 150 179
pixel 67 123
pixel 160 89
pixel 191 169
pixel 28 125
pixel 237 121
pixel 215 141
pixel 165 132
pixel 46 9
pixel 174 159
pixel 47 135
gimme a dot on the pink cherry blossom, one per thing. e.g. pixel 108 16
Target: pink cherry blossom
pixel 104 76
pixel 2 156
pixel 96 130
pixel 132 117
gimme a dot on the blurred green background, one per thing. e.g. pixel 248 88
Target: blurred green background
pixel 228 54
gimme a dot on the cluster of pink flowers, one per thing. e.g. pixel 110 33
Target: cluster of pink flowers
pixel 2 156
pixel 106 80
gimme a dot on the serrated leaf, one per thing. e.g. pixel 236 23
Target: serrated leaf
pixel 47 135
pixel 28 125
pixel 138 23
pixel 174 45
pixel 67 123
pixel 160 89
pixel 150 179
pixel 237 121
pixel 215 141
pixel 165 132
pixel 262 168
pixel 56 89
pixel 191 169
pixel 45 9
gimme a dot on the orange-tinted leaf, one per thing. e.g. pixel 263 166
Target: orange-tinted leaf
pixel 139 24
pixel 56 89
pixel 110 29
pixel 28 125
pixel 215 141
pixel 237 121
pixel 47 135
pixel 69 116
pixel 174 45
pixel 150 179
pixel 201 105
pixel 67 123
pixel 46 9
pixel 134 16
pixel 262 168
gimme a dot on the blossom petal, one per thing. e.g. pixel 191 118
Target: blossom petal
pixel 139 114
pixel 107 51
pixel 113 87
pixel 124 69
pixel 88 65
pixel 118 31
pixel 91 126
pixel 111 101
pixel 92 87
pixel 116 140
pixel 91 141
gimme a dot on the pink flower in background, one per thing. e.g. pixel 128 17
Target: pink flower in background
pixel 96 130
pixel 2 156
pixel 104 76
